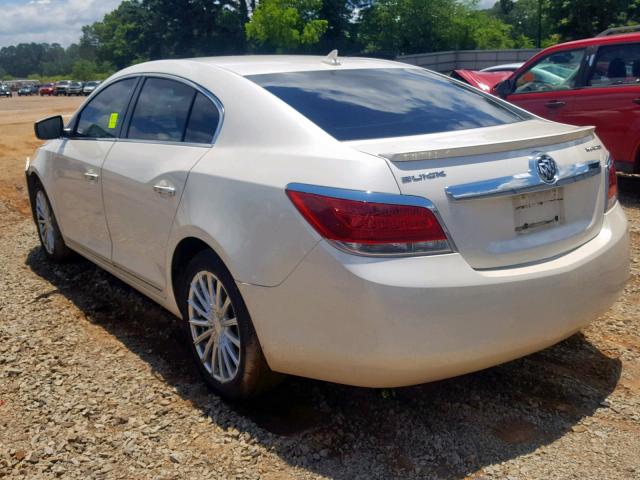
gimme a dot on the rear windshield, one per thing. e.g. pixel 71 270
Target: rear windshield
pixel 386 102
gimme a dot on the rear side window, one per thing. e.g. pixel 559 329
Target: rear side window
pixel 203 121
pixel 102 117
pixel 391 102
pixel 161 111
pixel 616 65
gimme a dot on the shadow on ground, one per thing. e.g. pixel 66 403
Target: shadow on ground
pixel 444 430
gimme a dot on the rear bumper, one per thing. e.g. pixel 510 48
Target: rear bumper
pixel 394 322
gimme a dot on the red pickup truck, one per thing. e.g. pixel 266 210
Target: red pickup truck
pixel 586 82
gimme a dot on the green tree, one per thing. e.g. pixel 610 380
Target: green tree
pixel 84 70
pixel 396 27
pixel 286 25
pixel 481 30
pixel 140 30
pixel 576 19
pixel 342 26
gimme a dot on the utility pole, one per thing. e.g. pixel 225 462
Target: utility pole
pixel 539 36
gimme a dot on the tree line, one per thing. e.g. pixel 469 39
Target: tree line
pixel 140 30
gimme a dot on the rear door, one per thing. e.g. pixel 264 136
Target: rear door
pixel 610 99
pixel 172 125
pixel 78 163
pixel 548 87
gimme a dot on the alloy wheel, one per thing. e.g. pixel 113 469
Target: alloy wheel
pixel 45 222
pixel 214 327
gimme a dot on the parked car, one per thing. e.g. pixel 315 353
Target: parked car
pixel 89 87
pixel 5 91
pixel 61 87
pixel 46 89
pixel 586 82
pixel 75 88
pixel 27 90
pixel 359 221
pixel 507 67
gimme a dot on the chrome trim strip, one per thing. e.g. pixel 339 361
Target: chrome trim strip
pixel 377 197
pixel 523 182
pixel 215 100
pixel 494 147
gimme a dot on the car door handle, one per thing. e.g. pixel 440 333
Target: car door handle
pixel 636 100
pixel 91 177
pixel 555 104
pixel 165 190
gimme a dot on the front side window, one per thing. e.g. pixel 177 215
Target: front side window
pixel 102 117
pixel 161 111
pixel 557 71
pixel 362 104
pixel 616 65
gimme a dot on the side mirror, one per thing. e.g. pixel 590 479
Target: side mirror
pixel 49 128
pixel 503 89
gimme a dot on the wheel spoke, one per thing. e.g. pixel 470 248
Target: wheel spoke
pixel 197 308
pixel 200 323
pixel 214 359
pixel 204 292
pixel 218 294
pixel 232 355
pixel 50 239
pixel 203 303
pixel 207 349
pixel 203 336
pixel 219 360
pixel 210 289
pixel 233 338
pixel 229 322
pixel 225 360
pixel 225 307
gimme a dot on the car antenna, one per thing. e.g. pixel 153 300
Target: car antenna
pixel 332 58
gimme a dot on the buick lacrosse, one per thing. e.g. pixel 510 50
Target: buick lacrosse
pixel 353 220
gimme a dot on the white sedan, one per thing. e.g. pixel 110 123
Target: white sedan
pixel 353 220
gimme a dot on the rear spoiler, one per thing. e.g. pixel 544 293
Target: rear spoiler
pixel 494 147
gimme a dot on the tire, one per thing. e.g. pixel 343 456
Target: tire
pixel 48 231
pixel 230 358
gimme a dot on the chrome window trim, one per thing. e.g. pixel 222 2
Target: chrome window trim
pixel 143 75
pixel 523 182
pixel 377 197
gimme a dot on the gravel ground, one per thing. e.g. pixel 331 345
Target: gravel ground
pixel 95 383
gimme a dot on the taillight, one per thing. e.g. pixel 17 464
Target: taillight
pixel 612 184
pixel 370 227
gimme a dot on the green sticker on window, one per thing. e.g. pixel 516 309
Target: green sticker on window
pixel 113 120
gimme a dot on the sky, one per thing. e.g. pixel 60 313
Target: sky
pixel 60 21
pixel 51 21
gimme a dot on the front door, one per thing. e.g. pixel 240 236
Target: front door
pixel 78 163
pixel 171 128
pixel 547 88
pixel 610 100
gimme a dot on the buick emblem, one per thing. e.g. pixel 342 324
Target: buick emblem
pixel 546 167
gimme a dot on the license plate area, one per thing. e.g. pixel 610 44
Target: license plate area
pixel 538 211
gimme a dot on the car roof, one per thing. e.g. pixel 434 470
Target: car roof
pixel 261 64
pixel 587 42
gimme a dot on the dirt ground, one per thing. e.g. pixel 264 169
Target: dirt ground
pixel 95 383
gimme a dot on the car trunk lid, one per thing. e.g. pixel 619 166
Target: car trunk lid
pixel 489 190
